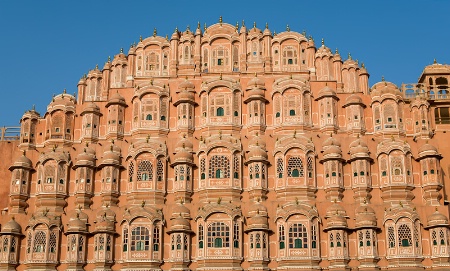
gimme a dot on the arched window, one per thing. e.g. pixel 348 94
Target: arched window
pixel 219 167
pixel 145 171
pixel 280 167
pixel 40 240
pixel 148 117
pixel 281 236
pixel 219 112
pixel 140 239
pixel 292 112
pixel 218 235
pixel 200 236
pixel 295 167
pixel 404 236
pixel 298 236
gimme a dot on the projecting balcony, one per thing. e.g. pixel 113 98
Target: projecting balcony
pixel 429 92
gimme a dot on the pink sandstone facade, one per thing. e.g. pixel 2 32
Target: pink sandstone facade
pixel 231 148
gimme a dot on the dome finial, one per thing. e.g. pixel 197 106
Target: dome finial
pixel 96 66
pixel 140 38
pixel 188 28
pixel 254 24
pixel 121 50
pixel 109 58
pixel 198 25
pixel 304 33
pixel 243 23
pixel 176 29
pixel 337 51
pixel 362 65
pixel 349 56
pixel 288 29
pixel 435 62
pixel 323 41
pixel 154 32
pixel 237 26
pixel 220 20
pixel 382 78
pixel 267 25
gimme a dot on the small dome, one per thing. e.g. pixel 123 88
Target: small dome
pixel 336 209
pixel 180 209
pixel 437 219
pixel 384 88
pixel 186 85
pixel 107 65
pixel 331 141
pixel 186 96
pixel 353 99
pixel 11 227
pixel 257 209
pixel 333 149
pixel 112 155
pixel 427 149
pixel 132 50
pixel 256 82
pixel 336 217
pixel 76 224
pixel 326 91
pixel 91 107
pixel 22 162
pixel 365 217
pixel 257 152
pixel 258 222
pixel 86 155
pixel 116 98
pixel 256 91
pixel 180 222
pixel 256 140
pixel 183 156
pixel 359 148
pixel 184 143
pixel 323 51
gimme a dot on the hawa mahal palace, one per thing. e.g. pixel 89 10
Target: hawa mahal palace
pixel 231 148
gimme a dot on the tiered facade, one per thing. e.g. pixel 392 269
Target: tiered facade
pixel 232 148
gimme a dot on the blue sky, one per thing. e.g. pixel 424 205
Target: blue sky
pixel 47 46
